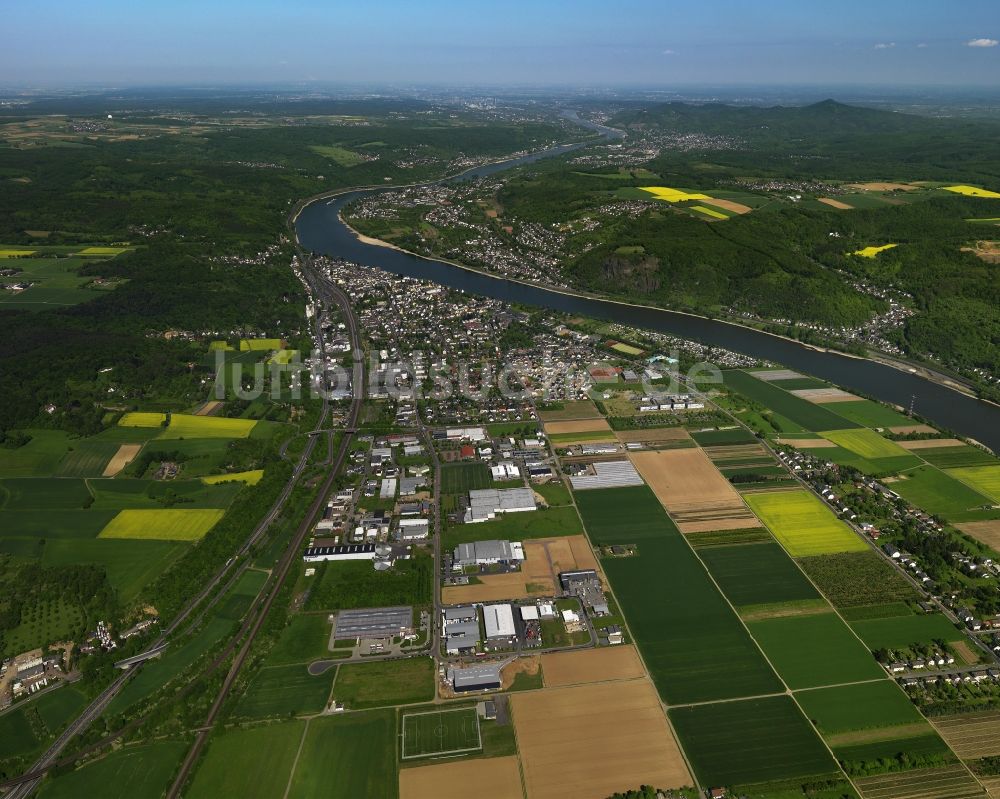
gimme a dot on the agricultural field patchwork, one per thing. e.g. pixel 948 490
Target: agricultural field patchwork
pixel 233 766
pixel 567 738
pixel 803 524
pixel 939 493
pixel 814 650
pixel 870 414
pixel 757 574
pixel 985 479
pixel 873 249
pixel 869 444
pixel 380 684
pixel 250 478
pixel 492 778
pixel 167 524
pixel 901 632
pixel 750 741
pixel 869 705
pixel 808 415
pixel 282 691
pixel 133 772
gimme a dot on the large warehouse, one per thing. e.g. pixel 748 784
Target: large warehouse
pixel 375 622
pixel 608 474
pixel 482 677
pixel 340 552
pixel 487 503
pixel 499 621
pixel 486 553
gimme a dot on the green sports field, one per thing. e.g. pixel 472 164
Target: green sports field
pixel 347 757
pixel 755 740
pixel 869 444
pixel 803 524
pixel 757 574
pixel 939 493
pixel 441 732
pixel 167 524
pixel 870 705
pixel 985 479
pixel 134 772
pixel 234 765
pixel 281 691
pixel 901 632
pixel 814 650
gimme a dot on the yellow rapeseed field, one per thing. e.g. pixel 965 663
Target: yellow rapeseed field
pixel 871 252
pixel 972 191
pixel 250 478
pixel 673 195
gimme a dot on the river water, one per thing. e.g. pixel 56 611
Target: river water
pixel 321 230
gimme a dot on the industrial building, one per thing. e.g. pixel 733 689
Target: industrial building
pixel 481 677
pixel 608 474
pixel 413 529
pixel 499 620
pixel 487 553
pixel 487 503
pixel 375 622
pixel 505 470
pixel 461 637
pixel 340 552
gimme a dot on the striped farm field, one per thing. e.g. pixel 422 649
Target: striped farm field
pixel 803 524
pixel 167 524
pixel 867 443
pixel 985 479
pixel 183 425
pixel 250 478
pixel 142 419
pixel 953 782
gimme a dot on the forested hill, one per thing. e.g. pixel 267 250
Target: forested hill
pixel 870 142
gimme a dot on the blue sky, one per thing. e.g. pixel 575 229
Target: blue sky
pixel 620 43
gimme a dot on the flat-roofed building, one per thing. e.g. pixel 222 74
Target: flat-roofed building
pixel 499 620
pixel 488 503
pixel 340 552
pixel 375 622
pixel 487 553
pixel 481 677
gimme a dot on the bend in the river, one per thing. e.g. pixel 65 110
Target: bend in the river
pixel 321 230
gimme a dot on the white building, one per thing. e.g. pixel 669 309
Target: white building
pixel 499 620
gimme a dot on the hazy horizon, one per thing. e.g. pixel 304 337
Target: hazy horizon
pixel 634 44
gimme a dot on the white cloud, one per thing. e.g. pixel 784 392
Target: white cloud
pixel 922 44
pixel 669 52
pixel 885 45
pixel 982 43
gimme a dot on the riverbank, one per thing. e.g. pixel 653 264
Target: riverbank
pixel 874 356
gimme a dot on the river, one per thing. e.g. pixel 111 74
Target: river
pixel 320 230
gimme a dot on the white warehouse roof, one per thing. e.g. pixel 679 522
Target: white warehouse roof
pixel 499 621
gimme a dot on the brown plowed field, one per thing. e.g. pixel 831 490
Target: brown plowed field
pixel 591 665
pixel 971 735
pixel 928 443
pixel 578 426
pixel 988 532
pixel 698 497
pixel 835 203
pixel 589 741
pixel 490 778
pixel 654 435
pixel 903 429
pixel 821 395
pixel 122 458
